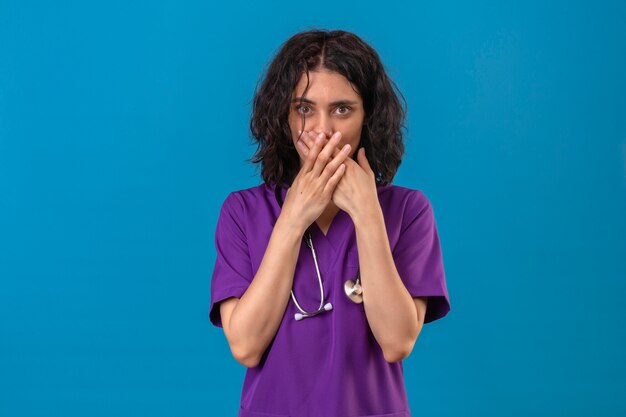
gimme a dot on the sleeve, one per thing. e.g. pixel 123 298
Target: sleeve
pixel 418 258
pixel 232 273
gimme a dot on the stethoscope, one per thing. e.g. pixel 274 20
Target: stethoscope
pixel 352 288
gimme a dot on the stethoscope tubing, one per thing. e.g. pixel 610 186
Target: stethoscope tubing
pixel 352 289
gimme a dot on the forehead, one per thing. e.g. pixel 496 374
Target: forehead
pixel 325 86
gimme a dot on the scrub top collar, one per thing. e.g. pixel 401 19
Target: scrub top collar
pixel 340 227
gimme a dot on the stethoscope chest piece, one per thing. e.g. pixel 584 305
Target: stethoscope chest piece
pixel 353 290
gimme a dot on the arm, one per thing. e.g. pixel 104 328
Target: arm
pixel 251 322
pixel 395 318
pixel 257 315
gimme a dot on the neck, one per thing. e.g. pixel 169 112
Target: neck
pixel 330 210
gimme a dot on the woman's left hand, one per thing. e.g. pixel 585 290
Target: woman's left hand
pixel 356 190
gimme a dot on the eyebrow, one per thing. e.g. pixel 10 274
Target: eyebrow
pixel 334 103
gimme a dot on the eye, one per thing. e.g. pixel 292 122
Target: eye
pixel 348 109
pixel 300 109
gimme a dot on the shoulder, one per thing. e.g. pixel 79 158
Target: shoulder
pixel 401 198
pixel 251 207
pixel 246 197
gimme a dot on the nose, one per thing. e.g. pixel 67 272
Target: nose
pixel 324 125
pixel 327 132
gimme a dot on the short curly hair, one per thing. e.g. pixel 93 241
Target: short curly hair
pixel 347 54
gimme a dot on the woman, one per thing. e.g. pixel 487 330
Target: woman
pixel 326 272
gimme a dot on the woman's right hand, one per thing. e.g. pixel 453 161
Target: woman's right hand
pixel 313 186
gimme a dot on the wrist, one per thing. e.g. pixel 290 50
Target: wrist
pixel 367 215
pixel 290 228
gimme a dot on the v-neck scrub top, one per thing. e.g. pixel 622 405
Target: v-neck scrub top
pixel 329 365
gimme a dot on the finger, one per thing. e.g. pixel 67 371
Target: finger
pixel 334 180
pixel 324 156
pixel 362 159
pixel 309 138
pixel 311 157
pixel 303 136
pixel 336 162
pixel 338 155
pixel 302 148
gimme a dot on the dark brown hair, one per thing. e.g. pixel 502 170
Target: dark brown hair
pixel 347 54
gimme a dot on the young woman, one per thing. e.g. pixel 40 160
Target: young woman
pixel 326 272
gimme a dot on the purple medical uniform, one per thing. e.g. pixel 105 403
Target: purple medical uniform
pixel 329 365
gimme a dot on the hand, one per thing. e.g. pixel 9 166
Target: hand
pixel 356 189
pixel 314 184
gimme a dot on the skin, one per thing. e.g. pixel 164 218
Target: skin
pixel 320 115
pixel 322 188
pixel 323 117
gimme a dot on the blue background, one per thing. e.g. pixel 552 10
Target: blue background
pixel 123 126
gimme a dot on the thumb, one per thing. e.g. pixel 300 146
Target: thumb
pixel 362 159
